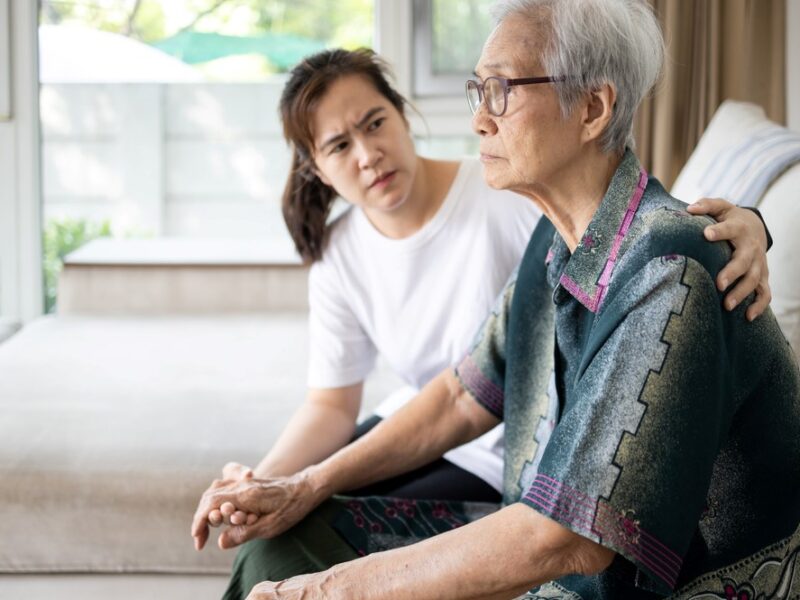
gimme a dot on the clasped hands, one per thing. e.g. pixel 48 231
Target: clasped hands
pixel 252 508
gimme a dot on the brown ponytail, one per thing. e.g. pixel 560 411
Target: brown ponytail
pixel 306 206
pixel 306 200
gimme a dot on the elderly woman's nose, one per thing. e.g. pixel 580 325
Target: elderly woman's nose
pixel 482 122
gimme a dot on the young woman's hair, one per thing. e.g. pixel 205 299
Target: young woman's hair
pixel 306 200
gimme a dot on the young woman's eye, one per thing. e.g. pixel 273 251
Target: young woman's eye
pixel 338 148
pixel 375 124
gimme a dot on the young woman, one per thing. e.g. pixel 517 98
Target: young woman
pixel 409 271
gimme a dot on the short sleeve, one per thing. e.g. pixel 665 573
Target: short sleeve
pixel 340 351
pixel 482 370
pixel 630 461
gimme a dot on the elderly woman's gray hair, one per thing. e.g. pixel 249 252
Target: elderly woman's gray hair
pixel 597 42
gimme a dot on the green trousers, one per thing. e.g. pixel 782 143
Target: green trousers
pixel 344 528
pixel 309 547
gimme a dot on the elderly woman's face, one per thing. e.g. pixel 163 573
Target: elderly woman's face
pixel 526 147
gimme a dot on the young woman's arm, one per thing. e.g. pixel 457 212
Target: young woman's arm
pixel 748 234
pixel 444 415
pixel 321 426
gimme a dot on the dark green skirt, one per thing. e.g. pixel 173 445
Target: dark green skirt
pixel 342 529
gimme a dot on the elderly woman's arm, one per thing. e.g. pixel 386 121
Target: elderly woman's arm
pixel 441 417
pixel 500 556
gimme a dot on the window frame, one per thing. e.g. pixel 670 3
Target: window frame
pixel 394 39
pixel 426 83
pixel 21 272
pixel 5 62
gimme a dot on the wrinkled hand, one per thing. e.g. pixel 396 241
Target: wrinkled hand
pixel 278 504
pixel 745 231
pixel 227 513
pixel 303 587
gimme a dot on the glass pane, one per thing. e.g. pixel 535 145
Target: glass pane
pixel 459 29
pixel 223 39
pixel 159 119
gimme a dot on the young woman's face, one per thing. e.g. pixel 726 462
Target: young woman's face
pixel 362 146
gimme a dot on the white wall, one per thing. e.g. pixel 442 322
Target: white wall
pixel 793 64
pixel 20 240
pixel 186 160
pixel 165 159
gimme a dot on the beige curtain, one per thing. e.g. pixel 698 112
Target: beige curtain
pixel 716 50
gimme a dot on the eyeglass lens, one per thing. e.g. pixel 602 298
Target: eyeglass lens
pixel 493 92
pixel 495 96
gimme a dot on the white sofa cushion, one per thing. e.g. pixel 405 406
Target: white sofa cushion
pixel 111 429
pixel 780 206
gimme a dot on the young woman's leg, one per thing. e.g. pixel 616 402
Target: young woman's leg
pixel 439 480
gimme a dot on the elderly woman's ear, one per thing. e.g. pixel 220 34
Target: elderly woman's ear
pixel 598 108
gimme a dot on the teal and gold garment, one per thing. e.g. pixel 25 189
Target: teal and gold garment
pixel 342 529
pixel 376 523
pixel 655 422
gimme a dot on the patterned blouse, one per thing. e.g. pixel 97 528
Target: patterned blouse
pixel 655 422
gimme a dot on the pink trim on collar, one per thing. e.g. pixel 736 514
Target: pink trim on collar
pixel 594 303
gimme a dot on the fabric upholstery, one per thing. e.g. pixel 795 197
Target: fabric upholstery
pixel 113 427
pixel 780 205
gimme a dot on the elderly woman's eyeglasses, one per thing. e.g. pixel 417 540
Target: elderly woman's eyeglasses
pixel 495 90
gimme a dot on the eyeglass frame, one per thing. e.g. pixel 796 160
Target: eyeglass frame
pixel 505 84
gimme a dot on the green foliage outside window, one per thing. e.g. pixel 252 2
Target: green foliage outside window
pixel 247 34
pixel 60 238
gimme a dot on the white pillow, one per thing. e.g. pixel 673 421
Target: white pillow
pixel 780 207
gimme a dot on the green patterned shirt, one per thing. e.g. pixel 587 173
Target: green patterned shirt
pixel 653 422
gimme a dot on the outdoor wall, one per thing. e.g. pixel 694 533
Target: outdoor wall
pixel 177 160
pixel 187 160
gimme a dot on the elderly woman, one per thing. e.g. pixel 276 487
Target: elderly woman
pixel 652 439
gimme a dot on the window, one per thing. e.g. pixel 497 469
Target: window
pixel 159 119
pixel 448 37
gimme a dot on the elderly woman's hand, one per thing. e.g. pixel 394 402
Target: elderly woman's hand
pixel 746 233
pixel 306 587
pixel 227 513
pixel 271 506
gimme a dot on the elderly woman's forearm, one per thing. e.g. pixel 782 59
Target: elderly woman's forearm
pixel 500 556
pixel 440 418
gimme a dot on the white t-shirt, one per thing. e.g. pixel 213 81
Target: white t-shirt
pixel 417 301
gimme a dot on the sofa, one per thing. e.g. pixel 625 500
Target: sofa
pixel 112 427
pixel 733 124
pixel 113 424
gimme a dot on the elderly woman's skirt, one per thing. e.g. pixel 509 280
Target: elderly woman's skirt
pixel 345 528
pixel 378 517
